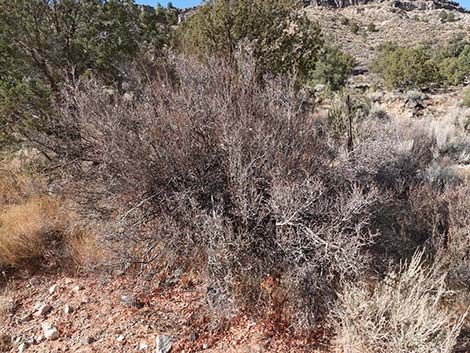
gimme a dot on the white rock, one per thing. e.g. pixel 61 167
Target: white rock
pixel 143 346
pixel 50 332
pixel 121 338
pixel 26 318
pixel 53 289
pixel 22 347
pixel 86 340
pixel 43 309
pixel 163 344
pixel 68 309
pixel 77 288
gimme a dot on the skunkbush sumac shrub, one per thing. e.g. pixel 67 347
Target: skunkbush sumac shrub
pixel 209 167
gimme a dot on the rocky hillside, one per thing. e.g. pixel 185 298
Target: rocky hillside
pixel 404 5
pixel 406 23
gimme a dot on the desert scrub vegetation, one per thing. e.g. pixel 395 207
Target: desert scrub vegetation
pixel 451 133
pixel 280 40
pixel 447 16
pixel 404 313
pixel 402 67
pixel 212 156
pixel 42 40
pixel 354 27
pixel 466 98
pixel 210 163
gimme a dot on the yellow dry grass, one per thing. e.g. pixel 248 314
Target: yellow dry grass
pixel 35 226
pixel 26 229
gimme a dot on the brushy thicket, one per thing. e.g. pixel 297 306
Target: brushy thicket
pixel 208 163
pixel 224 166
pixel 404 67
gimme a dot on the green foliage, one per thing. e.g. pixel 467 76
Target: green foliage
pixel 354 28
pixel 405 67
pixel 333 68
pixel 447 16
pixel 454 61
pixel 412 68
pixel 280 39
pixel 371 27
pixel 44 42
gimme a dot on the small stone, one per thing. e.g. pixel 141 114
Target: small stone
pixel 22 347
pixel 26 318
pixel 53 289
pixel 30 341
pixel 131 301
pixel 68 309
pixel 77 288
pixel 194 336
pixel 164 344
pixel 43 310
pixel 50 332
pixel 121 338
pixel 143 346
pixel 87 340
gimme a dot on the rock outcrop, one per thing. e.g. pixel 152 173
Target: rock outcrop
pixel 407 5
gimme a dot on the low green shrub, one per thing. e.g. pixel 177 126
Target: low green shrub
pixel 354 28
pixel 447 16
pixel 402 67
pixel 371 27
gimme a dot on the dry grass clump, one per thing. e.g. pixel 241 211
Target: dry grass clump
pixel 35 228
pixel 404 313
pixel 452 134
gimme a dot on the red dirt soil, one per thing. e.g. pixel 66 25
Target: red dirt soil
pixel 125 315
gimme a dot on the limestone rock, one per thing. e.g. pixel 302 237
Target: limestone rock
pixel 50 331
pixel 164 344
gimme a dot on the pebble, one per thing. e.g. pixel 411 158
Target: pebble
pixel 43 309
pixel 68 309
pixel 53 289
pixel 86 340
pixel 50 332
pixel 77 288
pixel 26 318
pixel 163 344
pixel 22 347
pixel 143 346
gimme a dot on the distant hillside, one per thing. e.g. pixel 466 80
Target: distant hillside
pixel 403 22
pixel 405 5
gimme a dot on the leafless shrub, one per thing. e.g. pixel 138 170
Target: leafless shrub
pixel 402 314
pixel 209 167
